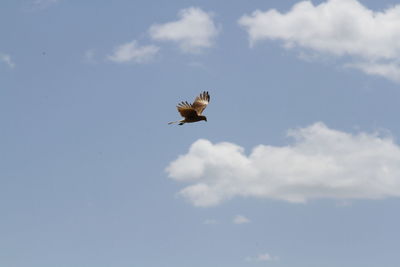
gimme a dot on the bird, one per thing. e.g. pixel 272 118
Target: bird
pixel 192 112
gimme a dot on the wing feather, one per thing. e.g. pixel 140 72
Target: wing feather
pixel 186 110
pixel 201 102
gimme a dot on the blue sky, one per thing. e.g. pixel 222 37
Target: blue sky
pixel 297 165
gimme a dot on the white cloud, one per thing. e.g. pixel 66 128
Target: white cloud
pixel 262 257
pixel 7 59
pixel 240 219
pixel 337 28
pixel 390 71
pixel 321 163
pixel 132 52
pixel 194 31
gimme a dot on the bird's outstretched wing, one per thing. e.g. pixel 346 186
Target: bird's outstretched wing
pixel 201 102
pixel 186 110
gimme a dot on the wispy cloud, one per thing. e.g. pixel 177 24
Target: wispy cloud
pixel 262 258
pixel 321 163
pixel 7 60
pixel 210 221
pixel 193 32
pixel 389 70
pixel 337 28
pixel 41 4
pixel 132 52
pixel 240 219
pixel 89 56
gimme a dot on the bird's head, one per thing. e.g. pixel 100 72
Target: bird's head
pixel 203 118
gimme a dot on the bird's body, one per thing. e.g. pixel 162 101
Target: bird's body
pixel 192 112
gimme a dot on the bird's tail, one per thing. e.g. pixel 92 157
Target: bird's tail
pixel 172 122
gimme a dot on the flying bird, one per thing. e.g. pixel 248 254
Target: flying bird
pixel 192 112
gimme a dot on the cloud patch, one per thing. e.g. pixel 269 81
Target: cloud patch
pixel 240 219
pixel 338 28
pixel 7 60
pixel 132 52
pixel 210 221
pixel 194 31
pixel 321 163
pixel 261 258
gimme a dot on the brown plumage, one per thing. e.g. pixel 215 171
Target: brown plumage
pixel 192 112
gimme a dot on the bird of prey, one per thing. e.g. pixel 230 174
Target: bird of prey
pixel 192 112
